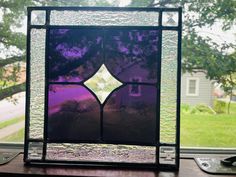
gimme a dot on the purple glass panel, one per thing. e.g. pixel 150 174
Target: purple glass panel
pixel 74 54
pixel 129 117
pixel 132 53
pixel 73 113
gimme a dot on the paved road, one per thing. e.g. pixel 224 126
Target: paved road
pixel 9 110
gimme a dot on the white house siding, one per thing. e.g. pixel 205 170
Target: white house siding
pixel 205 95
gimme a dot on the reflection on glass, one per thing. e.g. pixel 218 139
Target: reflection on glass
pixel 74 54
pixel 73 113
pixel 131 119
pixel 129 52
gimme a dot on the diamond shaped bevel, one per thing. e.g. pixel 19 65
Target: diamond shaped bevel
pixel 102 83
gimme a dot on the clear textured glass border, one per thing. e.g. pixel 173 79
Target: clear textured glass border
pixel 168 95
pixel 104 18
pixel 37 83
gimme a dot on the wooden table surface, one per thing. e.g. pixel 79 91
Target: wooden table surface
pixel 188 168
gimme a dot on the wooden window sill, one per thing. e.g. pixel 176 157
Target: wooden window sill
pixel 16 167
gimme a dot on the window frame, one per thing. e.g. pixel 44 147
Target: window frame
pixel 196 86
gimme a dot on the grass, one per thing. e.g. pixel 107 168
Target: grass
pixel 232 108
pixel 11 121
pixel 207 130
pixel 15 137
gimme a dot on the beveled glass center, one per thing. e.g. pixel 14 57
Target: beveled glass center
pixel 102 83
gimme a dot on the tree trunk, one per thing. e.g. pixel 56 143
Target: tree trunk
pixel 9 91
pixel 11 60
pixel 230 98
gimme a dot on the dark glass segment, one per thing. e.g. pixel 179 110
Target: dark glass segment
pixel 73 113
pixel 74 54
pixel 132 53
pixel 131 117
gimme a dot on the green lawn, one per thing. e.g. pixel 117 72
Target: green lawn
pixel 15 137
pixel 209 130
pixel 11 121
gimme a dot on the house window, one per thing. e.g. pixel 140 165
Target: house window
pixel 135 89
pixel 192 87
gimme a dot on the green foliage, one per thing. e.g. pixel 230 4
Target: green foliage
pixel 198 109
pixel 202 108
pixel 219 106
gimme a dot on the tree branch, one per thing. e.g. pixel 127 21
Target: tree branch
pixel 11 60
pixel 9 91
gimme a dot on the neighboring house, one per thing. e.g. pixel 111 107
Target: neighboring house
pixel 136 94
pixel 196 89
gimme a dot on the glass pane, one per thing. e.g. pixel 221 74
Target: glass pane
pixel 192 86
pixel 101 152
pixel 106 18
pixel 73 113
pixel 131 119
pixel 38 17
pixel 168 87
pixel 167 155
pixel 37 82
pixel 132 53
pixel 35 150
pixel 102 83
pixel 74 54
pixel 170 19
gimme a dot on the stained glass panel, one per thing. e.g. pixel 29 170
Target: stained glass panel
pixel 94 86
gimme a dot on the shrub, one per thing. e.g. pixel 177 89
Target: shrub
pixel 202 108
pixel 219 106
pixel 198 109
pixel 185 108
